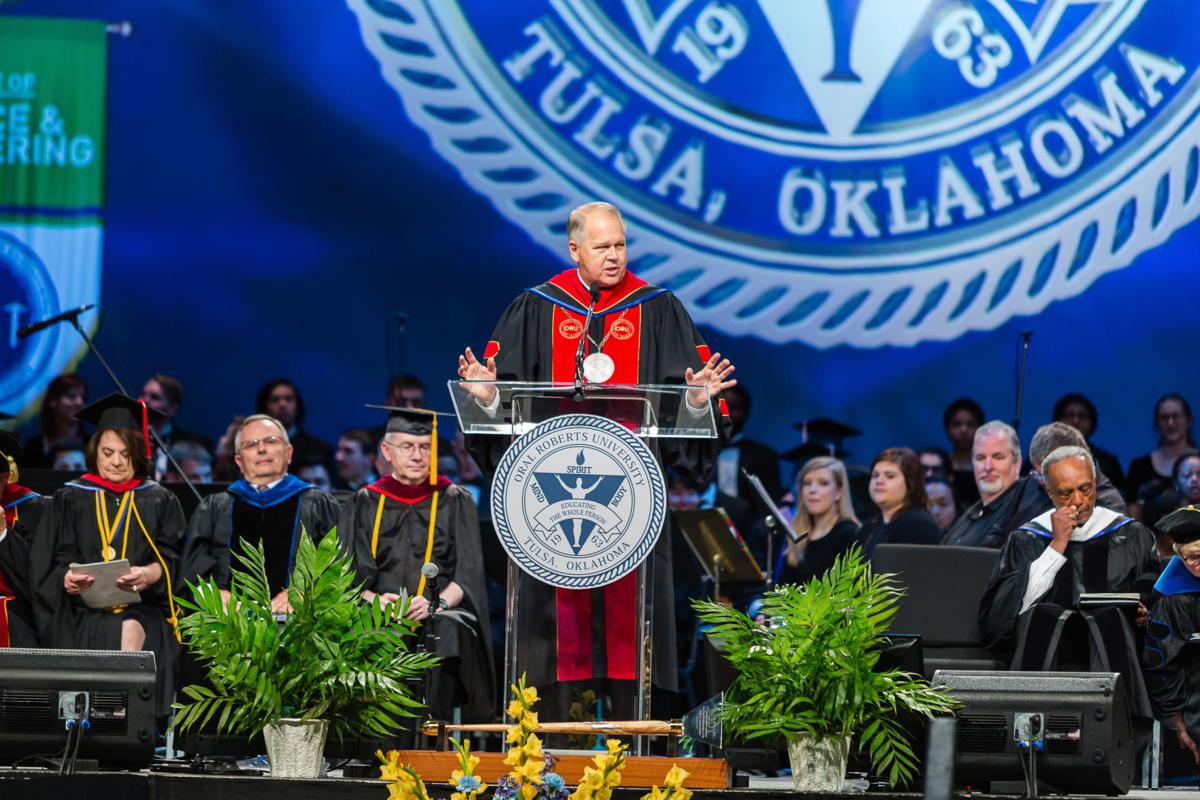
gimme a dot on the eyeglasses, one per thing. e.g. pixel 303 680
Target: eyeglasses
pixel 252 444
pixel 406 448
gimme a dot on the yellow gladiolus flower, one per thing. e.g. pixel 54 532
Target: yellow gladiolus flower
pixel 675 776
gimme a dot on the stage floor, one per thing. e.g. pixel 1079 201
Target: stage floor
pixel 32 784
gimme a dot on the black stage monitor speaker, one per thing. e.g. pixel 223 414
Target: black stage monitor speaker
pixel 113 691
pixel 1081 719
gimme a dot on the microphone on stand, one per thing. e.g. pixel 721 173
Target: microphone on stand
pixel 430 572
pixel 29 330
pixel 594 291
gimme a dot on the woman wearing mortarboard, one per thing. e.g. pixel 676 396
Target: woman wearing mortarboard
pixel 112 513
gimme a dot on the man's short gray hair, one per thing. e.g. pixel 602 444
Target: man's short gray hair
pixel 998 428
pixel 237 437
pixel 1051 437
pixel 578 218
pixel 1063 453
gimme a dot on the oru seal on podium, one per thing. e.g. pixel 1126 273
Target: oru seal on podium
pixel 578 501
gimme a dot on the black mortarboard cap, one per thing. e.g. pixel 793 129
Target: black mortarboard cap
pixel 803 453
pixel 117 412
pixel 1183 525
pixel 413 421
pixel 821 437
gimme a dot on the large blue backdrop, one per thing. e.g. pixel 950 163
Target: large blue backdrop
pixel 863 203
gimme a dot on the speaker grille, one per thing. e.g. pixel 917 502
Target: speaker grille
pixel 982 733
pixel 29 711
pixel 1063 724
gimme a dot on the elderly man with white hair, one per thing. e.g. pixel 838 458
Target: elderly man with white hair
pixel 1031 605
pixel 266 505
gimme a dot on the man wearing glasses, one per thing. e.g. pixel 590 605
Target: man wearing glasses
pixel 404 525
pixel 1034 605
pixel 266 505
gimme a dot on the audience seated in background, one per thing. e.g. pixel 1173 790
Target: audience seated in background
pixel 825 514
pixel 281 399
pixel 936 461
pixel 1151 474
pixel 898 492
pixel 939 500
pixel 354 460
pixel 20 511
pixel 113 512
pixel 1186 478
pixel 165 395
pixel 193 459
pixel 403 391
pixel 66 455
pixel 1080 413
pixel 960 420
pixel 742 452
pixel 64 397
pixel 266 505
pixel 1047 563
pixel 1170 659
pixel 315 473
pixel 996 456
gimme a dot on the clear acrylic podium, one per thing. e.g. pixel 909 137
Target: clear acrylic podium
pixel 651 412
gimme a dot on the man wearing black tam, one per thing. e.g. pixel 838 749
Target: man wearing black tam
pixel 1170 663
pixel 20 510
pixel 113 512
pixel 415 517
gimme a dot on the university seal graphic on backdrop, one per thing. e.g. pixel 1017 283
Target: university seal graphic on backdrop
pixel 27 294
pixel 578 501
pixel 828 171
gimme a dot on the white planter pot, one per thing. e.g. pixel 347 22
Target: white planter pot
pixel 818 764
pixel 295 747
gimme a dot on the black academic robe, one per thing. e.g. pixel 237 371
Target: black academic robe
pixel 1170 660
pixel 910 526
pixel 1118 557
pixel 388 559
pixel 652 340
pixel 69 532
pixel 818 555
pixel 22 511
pixel 275 518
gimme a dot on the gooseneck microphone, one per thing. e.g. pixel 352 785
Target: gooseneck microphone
pixel 29 330
pixel 594 292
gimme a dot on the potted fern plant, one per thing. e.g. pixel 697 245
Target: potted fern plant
pixel 336 664
pixel 810 675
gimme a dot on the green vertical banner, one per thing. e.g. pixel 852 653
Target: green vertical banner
pixel 53 103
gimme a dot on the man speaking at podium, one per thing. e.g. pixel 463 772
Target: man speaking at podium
pixel 639 334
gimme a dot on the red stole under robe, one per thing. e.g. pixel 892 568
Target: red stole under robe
pixel 574 606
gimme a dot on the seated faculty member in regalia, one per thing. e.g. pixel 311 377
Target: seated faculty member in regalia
pixel 20 510
pixel 414 517
pixel 265 505
pixel 1171 659
pixel 111 513
pixel 1045 565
